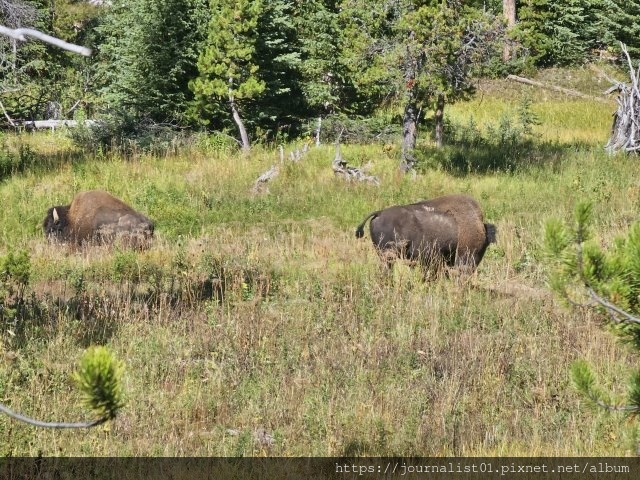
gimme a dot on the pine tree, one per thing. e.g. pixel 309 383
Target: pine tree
pixel 530 31
pixel 567 48
pixel 371 50
pixel 584 274
pixel 559 32
pixel 71 77
pixel 622 22
pixel 148 56
pixel 593 32
pixel 422 53
pixel 277 55
pixel 17 59
pixel 228 71
pixel 324 79
pixel 567 32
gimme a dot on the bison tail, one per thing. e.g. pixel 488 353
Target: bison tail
pixel 491 231
pixel 360 229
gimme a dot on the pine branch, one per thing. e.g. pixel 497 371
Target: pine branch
pixel 585 382
pixel 39 423
pixel 615 408
pixel 613 309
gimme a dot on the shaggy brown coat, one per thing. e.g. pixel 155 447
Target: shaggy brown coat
pixel 97 216
pixel 448 229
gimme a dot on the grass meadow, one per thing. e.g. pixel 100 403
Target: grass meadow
pixel 257 324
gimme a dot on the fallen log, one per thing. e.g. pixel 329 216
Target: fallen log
pixel 342 169
pixel 53 124
pixel 556 88
pixel 260 185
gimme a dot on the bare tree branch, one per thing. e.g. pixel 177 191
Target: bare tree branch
pixel 16 14
pixel 604 75
pixel 617 314
pixel 22 34
pixel 260 185
pixel 4 111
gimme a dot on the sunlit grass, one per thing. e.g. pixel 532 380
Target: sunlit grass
pixel 568 121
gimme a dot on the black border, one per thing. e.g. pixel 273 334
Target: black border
pixel 453 468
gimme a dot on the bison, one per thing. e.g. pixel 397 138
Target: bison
pixel 447 230
pixel 97 216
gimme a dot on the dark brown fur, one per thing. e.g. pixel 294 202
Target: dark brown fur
pixel 97 216
pixel 448 229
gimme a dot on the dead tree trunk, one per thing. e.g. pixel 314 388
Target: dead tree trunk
pixel 6 115
pixel 411 112
pixel 409 135
pixel 625 131
pixel 236 118
pixel 22 34
pixel 318 131
pixel 509 12
pixel 243 131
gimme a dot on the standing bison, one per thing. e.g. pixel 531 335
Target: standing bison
pixel 97 216
pixel 447 230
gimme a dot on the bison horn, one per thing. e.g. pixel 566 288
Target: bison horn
pixel 56 218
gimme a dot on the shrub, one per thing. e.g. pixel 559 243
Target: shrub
pixel 12 163
pixel 15 272
pixel 129 136
pixel 506 145
pixel 380 128
pixel 99 378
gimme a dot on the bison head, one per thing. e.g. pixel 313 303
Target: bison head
pixel 56 223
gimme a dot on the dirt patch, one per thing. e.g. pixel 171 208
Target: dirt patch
pixel 516 289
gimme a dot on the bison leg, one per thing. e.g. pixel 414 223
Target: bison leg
pixel 434 260
pixel 466 262
pixel 388 257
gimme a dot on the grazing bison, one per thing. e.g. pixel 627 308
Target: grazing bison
pixel 98 216
pixel 447 230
